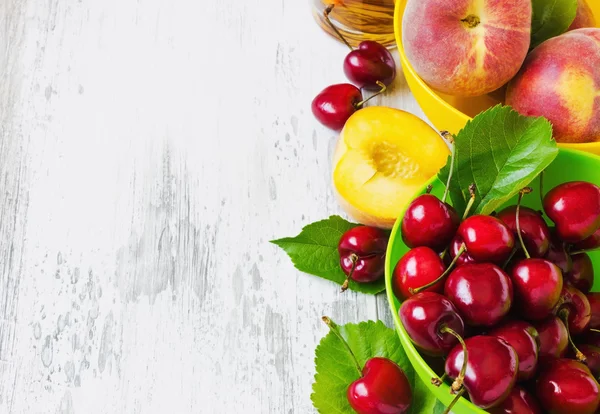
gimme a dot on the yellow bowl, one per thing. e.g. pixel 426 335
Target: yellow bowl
pixel 451 113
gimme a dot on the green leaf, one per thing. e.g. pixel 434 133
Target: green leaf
pixel 439 408
pixel 423 400
pixel 551 18
pixel 314 251
pixel 336 370
pixel 501 152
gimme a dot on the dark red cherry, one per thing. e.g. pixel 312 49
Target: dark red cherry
pixel 518 401
pixel 537 284
pixel 594 300
pixel 553 338
pixel 524 338
pixel 335 104
pixel 455 246
pixel 592 242
pixel 581 275
pixel 575 307
pixel 429 222
pixel 592 358
pixel 590 337
pixel 575 209
pixel 557 253
pixel 370 63
pixel 482 293
pixel 565 386
pixel 534 229
pixel 487 239
pixel 417 268
pixel 362 253
pixel 428 318
pixel 382 389
pixel 491 372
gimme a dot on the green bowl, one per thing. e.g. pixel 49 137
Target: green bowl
pixel 570 165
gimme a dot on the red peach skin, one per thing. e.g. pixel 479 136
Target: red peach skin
pixel 466 47
pixel 560 80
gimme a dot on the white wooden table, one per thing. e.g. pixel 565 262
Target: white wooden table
pixel 149 151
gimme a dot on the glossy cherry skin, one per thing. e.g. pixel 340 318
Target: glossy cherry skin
pixel 592 355
pixel 367 246
pixel 424 315
pixel 487 239
pixel 565 386
pixel 575 209
pixel 335 104
pixel 523 337
pixel 581 275
pixel 481 292
pixel 534 230
pixel 538 284
pixel 594 300
pixel 492 367
pixel 557 253
pixel 429 222
pixel 455 246
pixel 553 339
pixel 518 401
pixel 579 308
pixel 415 269
pixel 382 389
pixel 592 242
pixel 369 63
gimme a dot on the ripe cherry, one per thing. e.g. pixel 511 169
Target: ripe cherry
pixel 567 386
pixel 581 275
pixel 575 308
pixel 534 229
pixel 369 65
pixel 537 284
pixel 592 242
pixel 575 209
pixel 429 222
pixel 557 253
pixel 518 401
pixel 432 323
pixel 553 339
pixel 487 239
pixel 591 337
pixel 362 254
pixel 417 268
pixel 592 358
pixel 524 338
pixel 482 293
pixel 455 246
pixel 491 370
pixel 594 300
pixel 335 104
pixel 382 388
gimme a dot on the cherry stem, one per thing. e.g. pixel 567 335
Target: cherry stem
pixel 458 382
pixel 542 188
pixel 428 189
pixel 326 12
pixel 462 249
pixel 334 328
pixel 454 401
pixel 471 201
pixel 563 314
pixel 354 259
pixel 512 254
pixel 576 252
pixel 524 191
pixel 594 330
pixel 439 381
pixel 450 139
pixel 379 92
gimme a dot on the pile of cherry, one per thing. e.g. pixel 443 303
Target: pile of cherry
pixel 506 301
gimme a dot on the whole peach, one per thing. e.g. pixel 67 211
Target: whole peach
pixel 584 16
pixel 466 47
pixel 560 80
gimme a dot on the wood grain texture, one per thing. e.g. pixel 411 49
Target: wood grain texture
pixel 149 151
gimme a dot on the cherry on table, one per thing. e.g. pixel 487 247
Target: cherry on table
pixel 481 292
pixel 491 369
pixel 432 323
pixel 553 339
pixel 567 386
pixel 519 401
pixel 581 275
pixel 534 230
pixel 487 239
pixel 362 254
pixel 574 207
pixel 523 337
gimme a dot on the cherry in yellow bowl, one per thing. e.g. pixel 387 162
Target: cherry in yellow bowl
pixel 451 113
